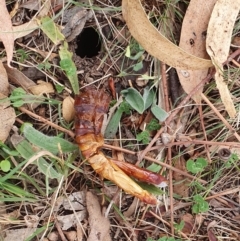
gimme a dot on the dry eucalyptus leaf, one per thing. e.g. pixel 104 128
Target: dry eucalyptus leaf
pixel 99 225
pixel 68 109
pixel 181 186
pixel 20 234
pixel 42 88
pixel 4 85
pixel 218 42
pixel 7 119
pixel 193 41
pixel 154 42
pixel 6 31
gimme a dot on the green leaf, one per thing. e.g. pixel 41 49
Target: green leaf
pixel 159 113
pixel 134 98
pixel 27 151
pixel 5 165
pixel 138 66
pixel 150 188
pixel 69 67
pixel 200 207
pixel 143 137
pixel 196 166
pixel 128 52
pixel 7 150
pixel 51 144
pixel 154 167
pixel 179 226
pixel 113 124
pixel 51 30
pixel 148 97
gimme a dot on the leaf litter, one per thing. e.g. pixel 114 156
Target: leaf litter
pixel 48 176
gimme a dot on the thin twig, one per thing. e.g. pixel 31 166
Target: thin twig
pixel 220 117
pixel 41 119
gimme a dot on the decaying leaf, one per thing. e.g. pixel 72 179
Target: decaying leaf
pixel 68 109
pixel 6 31
pixel 75 19
pixel 193 41
pixel 42 87
pixel 154 42
pixel 26 28
pixel 218 42
pixel 181 186
pixel 4 85
pixel 7 114
pixel 99 225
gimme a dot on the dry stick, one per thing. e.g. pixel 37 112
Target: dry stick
pixel 196 142
pixel 220 117
pixel 173 114
pixel 204 131
pixel 171 189
pixel 39 118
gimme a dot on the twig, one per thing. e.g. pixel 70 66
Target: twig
pixel 158 162
pixel 41 119
pixel 220 117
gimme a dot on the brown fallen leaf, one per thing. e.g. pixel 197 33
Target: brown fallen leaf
pixel 154 42
pixel 42 87
pixel 181 186
pixel 6 31
pixel 68 109
pixel 218 42
pixel 4 85
pixel 99 225
pixel 26 28
pixel 193 41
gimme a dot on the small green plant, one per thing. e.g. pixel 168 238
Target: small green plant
pixel 232 160
pixel 179 226
pixel 21 55
pixel 142 102
pixel 135 52
pixel 44 65
pixel 200 204
pixel 196 166
pixel 144 136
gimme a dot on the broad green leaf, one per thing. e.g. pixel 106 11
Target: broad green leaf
pixel 69 67
pixel 148 97
pixel 159 113
pixel 26 151
pixel 51 30
pixel 49 143
pixel 134 98
pixel 113 124
pixel 138 66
